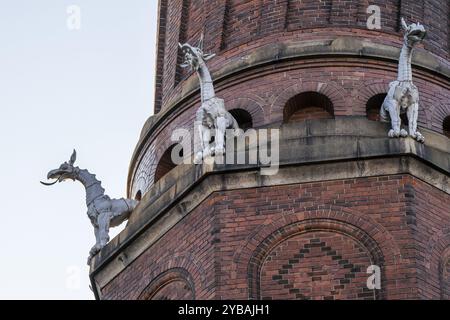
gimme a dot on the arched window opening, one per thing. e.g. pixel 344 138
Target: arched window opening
pixel 166 164
pixel 446 126
pixel 138 196
pixel 243 118
pixel 373 106
pixel 306 106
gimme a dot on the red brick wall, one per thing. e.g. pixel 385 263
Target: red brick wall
pixel 231 27
pixel 185 255
pixel 236 244
pixel 307 14
pixel 429 221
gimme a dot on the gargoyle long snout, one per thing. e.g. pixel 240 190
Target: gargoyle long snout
pixel 415 32
pixel 55 175
pixel 196 52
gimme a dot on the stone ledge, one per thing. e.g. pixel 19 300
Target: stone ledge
pixel 317 150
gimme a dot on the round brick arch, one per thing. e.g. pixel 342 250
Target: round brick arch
pixel 440 112
pixel 178 276
pixel 444 274
pixel 369 89
pixel 370 234
pixel 180 268
pixel 365 92
pixel 251 106
pixel 437 244
pixel 331 90
pixel 438 253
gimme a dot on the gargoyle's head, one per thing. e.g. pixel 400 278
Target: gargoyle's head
pixel 65 171
pixel 414 33
pixel 194 56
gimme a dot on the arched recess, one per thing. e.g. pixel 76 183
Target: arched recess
pixel 166 164
pixel 365 92
pixel 251 105
pixel 308 105
pixel 444 274
pixel 440 118
pixel 173 284
pixel 138 195
pixel 375 240
pixel 305 256
pixel 243 118
pixel 373 106
pixel 331 90
pixel 446 126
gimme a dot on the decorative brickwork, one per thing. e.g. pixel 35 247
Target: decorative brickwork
pixel 229 24
pixel 237 244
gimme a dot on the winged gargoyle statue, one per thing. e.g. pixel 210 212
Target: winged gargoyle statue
pixel 212 113
pixel 403 95
pixel 103 211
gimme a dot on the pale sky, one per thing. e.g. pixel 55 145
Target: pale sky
pixel 60 89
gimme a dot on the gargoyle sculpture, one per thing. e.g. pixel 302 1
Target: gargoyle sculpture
pixel 103 211
pixel 403 95
pixel 212 114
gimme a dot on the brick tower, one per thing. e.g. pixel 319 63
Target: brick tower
pixel 346 196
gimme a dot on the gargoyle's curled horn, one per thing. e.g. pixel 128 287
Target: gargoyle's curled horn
pixel 73 157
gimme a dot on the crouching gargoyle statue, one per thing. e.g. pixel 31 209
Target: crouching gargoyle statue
pixel 403 95
pixel 103 211
pixel 212 114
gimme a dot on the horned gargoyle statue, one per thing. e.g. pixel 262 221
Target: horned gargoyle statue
pixel 403 95
pixel 103 211
pixel 212 114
